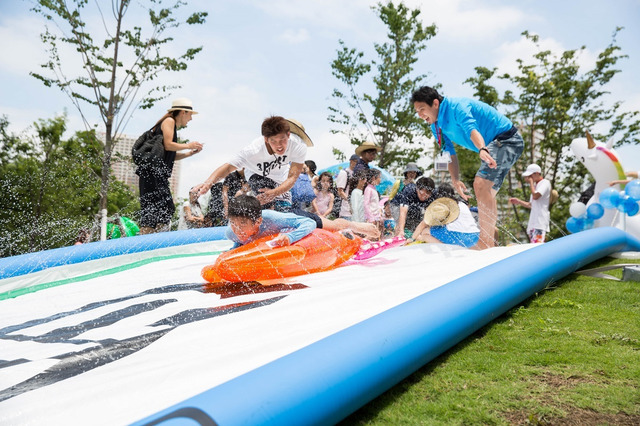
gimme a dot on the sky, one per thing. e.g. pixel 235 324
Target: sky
pixel 273 57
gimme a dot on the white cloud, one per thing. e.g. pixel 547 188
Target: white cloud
pixel 507 54
pixel 471 22
pixel 291 36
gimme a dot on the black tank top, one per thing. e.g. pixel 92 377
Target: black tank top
pixel 169 156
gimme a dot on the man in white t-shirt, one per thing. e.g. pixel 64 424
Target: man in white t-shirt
pixel 538 203
pixel 272 163
pixel 342 185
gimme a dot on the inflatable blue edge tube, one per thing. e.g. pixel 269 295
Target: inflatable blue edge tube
pixel 328 380
pixel 32 262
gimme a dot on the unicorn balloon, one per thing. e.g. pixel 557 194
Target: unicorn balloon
pixel 604 165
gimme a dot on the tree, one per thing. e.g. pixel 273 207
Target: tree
pixel 105 83
pixel 35 214
pixel 387 115
pixel 553 102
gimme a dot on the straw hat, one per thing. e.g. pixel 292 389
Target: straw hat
pixel 298 129
pixel 182 104
pixel 441 212
pixel 366 146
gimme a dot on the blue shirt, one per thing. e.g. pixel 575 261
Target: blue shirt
pixel 274 222
pixel 457 117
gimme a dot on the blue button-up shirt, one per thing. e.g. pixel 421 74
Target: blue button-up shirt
pixel 457 117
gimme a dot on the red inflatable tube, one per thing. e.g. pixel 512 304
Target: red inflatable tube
pixel 319 251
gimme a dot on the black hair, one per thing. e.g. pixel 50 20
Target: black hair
pixel 245 206
pixel 446 191
pixel 311 165
pixel 372 174
pixel 355 178
pixel 426 183
pixel 427 95
pixel 331 186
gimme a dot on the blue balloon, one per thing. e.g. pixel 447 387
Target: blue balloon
pixel 574 224
pixel 609 198
pixel 625 204
pixel 595 211
pixel 628 205
pixel 588 224
pixel 633 210
pixel 633 189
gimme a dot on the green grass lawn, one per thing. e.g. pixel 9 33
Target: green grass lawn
pixel 570 355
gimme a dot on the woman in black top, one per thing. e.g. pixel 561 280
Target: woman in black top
pixel 156 202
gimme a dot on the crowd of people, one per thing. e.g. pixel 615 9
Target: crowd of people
pixel 274 170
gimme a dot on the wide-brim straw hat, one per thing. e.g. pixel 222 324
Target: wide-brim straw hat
pixel 182 104
pixel 366 146
pixel 298 129
pixel 441 212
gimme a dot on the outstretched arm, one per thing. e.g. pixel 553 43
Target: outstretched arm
pixel 519 202
pixel 267 195
pixel 220 173
pixel 454 171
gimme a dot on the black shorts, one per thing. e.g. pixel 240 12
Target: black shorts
pixel 310 215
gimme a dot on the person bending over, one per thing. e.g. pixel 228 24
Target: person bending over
pixel 447 220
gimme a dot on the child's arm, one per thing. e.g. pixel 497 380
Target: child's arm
pixel 297 227
pixel 421 227
pixel 367 209
pixel 330 208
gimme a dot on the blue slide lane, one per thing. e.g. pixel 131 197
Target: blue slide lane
pixel 32 262
pixel 328 380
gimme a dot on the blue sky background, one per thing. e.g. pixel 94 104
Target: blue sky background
pixel 264 57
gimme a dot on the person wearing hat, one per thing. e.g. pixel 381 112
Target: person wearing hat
pixel 447 220
pixel 342 186
pixel 409 204
pixel 540 216
pixel 272 162
pixel 156 202
pixel 478 127
pixel 366 152
pixel 411 173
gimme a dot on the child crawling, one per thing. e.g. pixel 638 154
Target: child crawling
pixel 248 222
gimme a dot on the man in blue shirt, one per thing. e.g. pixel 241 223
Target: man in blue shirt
pixel 481 128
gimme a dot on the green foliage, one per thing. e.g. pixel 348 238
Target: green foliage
pixel 553 101
pixel 387 116
pixel 109 85
pixel 51 187
pixel 568 355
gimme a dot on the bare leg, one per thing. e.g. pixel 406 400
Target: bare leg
pixel 146 230
pixel 369 230
pixel 163 227
pixel 487 212
pixel 427 237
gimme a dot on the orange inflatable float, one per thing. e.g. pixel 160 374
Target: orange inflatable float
pixel 319 251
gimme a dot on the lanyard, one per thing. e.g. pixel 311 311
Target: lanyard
pixel 439 135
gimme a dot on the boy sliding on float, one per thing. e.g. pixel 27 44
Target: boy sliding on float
pixel 248 222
